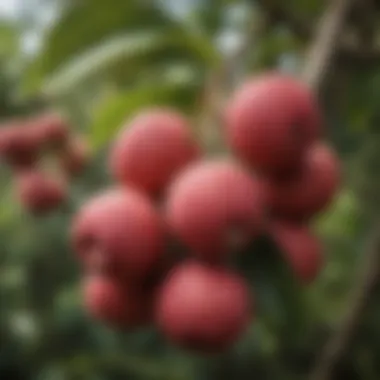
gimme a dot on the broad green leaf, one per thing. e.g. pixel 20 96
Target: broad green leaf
pixel 83 25
pixel 91 25
pixel 121 50
pixel 99 58
pixel 89 22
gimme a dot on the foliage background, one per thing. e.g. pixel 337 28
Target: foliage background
pixel 99 62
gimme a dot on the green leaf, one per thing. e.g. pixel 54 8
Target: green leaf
pixel 106 32
pixel 117 51
pixel 280 299
pixel 83 25
pixel 101 57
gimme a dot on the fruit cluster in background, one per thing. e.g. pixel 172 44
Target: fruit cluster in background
pixel 170 194
pixel 25 143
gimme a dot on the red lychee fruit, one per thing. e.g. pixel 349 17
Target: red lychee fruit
pixel 75 156
pixel 118 304
pixel 301 249
pixel 121 231
pixel 215 207
pixel 18 146
pixel 271 121
pixel 303 196
pixel 203 308
pixel 38 193
pixel 152 149
pixel 51 130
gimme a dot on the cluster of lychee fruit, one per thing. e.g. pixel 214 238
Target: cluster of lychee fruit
pixel 25 143
pixel 170 198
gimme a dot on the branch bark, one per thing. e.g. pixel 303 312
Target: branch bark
pixel 326 43
pixel 279 12
pixel 362 292
pixel 319 59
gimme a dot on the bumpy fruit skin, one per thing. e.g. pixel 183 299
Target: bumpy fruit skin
pixel 308 193
pixel 203 308
pixel 38 193
pixel 116 303
pixel 121 231
pixel 215 207
pixel 51 130
pixel 75 156
pixel 301 249
pixel 18 146
pixel 271 121
pixel 152 149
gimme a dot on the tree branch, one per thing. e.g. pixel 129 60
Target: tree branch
pixel 279 12
pixel 357 305
pixel 326 43
pixel 319 60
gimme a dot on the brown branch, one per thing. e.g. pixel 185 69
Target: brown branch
pixel 326 43
pixel 357 305
pixel 279 12
pixel 320 58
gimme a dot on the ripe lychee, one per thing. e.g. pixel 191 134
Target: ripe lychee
pixel 18 146
pixel 215 207
pixel 51 130
pixel 152 149
pixel 301 249
pixel 38 193
pixel 308 193
pixel 120 230
pixel 203 308
pixel 118 304
pixel 271 121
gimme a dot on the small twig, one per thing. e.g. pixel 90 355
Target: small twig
pixel 281 13
pixel 357 305
pixel 326 43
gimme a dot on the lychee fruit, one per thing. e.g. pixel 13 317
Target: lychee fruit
pixel 115 303
pixel 203 308
pixel 51 130
pixel 311 191
pixel 38 193
pixel 152 149
pixel 18 146
pixel 271 121
pixel 120 231
pixel 301 249
pixel 215 207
